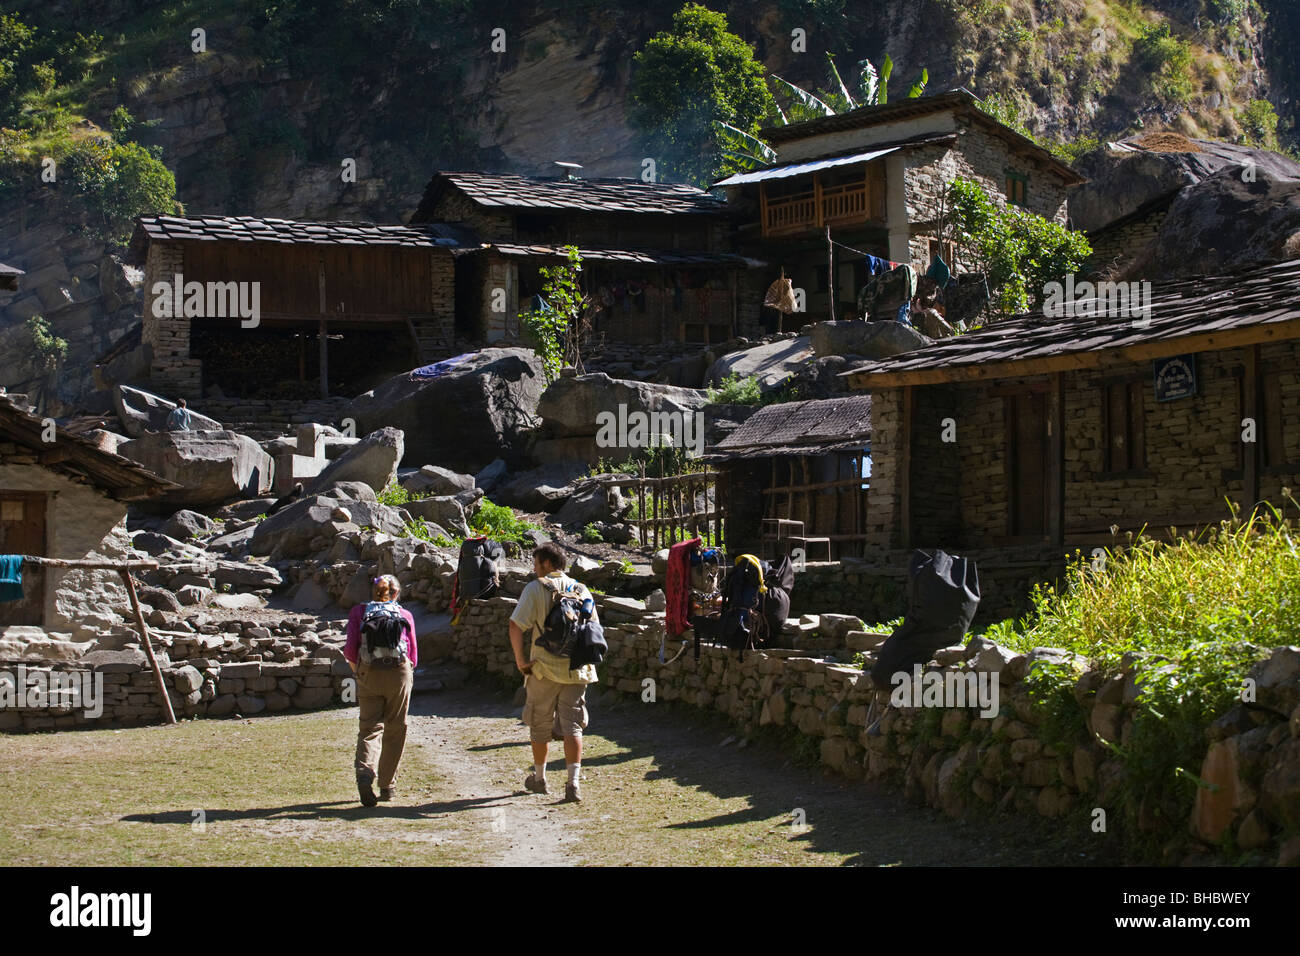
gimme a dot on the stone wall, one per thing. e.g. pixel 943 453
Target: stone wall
pixel 1115 248
pixel 167 339
pixel 81 522
pixel 951 757
pixel 980 156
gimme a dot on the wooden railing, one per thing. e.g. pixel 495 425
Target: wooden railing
pixel 665 509
pixel 822 206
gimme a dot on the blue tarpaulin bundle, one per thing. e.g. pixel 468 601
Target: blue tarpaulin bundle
pixel 440 368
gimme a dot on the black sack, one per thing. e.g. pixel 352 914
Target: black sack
pixel 943 592
pixel 560 630
pixel 776 602
pixel 742 624
pixel 590 646
pixel 476 569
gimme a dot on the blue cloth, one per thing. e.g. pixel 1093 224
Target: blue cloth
pixel 180 420
pixel 939 272
pixel 11 577
pixel 877 266
pixel 439 368
pixel 905 313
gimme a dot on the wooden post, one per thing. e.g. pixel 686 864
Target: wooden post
pixel 148 645
pixel 904 478
pixel 324 340
pixel 830 273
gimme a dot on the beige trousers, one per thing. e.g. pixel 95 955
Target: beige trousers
pixel 383 695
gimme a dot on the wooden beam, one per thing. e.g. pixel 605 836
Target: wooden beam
pixel 1056 460
pixel 1069 361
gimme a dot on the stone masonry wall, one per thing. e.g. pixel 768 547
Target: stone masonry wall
pixel 171 368
pixel 952 758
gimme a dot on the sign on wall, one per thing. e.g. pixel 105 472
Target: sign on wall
pixel 1175 377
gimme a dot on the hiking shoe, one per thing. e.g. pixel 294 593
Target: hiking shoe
pixel 366 787
pixel 533 785
pixel 386 794
pixel 573 793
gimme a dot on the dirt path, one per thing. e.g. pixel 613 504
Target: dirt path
pixel 672 786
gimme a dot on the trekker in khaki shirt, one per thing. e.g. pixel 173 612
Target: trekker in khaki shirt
pixel 556 701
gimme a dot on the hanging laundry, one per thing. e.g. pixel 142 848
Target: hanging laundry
pixel 605 297
pixel 677 586
pixel 877 266
pixel 438 369
pixel 964 298
pixel 905 313
pixel 11 577
pixel 939 272
pixel 881 298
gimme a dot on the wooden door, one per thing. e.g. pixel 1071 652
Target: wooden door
pixel 22 531
pixel 1027 465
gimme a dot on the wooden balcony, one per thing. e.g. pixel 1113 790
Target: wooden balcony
pixel 815 208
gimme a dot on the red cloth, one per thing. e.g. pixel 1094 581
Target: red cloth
pixel 677 586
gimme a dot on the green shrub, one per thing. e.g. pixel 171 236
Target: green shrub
pixel 499 522
pixel 1259 121
pixel 47 347
pixel 1168 60
pixel 735 390
pixel 591 534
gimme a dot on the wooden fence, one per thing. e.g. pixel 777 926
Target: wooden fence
pixel 666 510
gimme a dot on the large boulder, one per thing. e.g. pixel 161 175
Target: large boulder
pixel 1223 223
pixel 443 510
pixel 188 524
pixel 290 533
pixel 141 411
pixel 433 480
pixel 1123 178
pixel 871 340
pixel 542 489
pixel 372 461
pixel 772 363
pixel 590 503
pixel 482 407
pixel 211 467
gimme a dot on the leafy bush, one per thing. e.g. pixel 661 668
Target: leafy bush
pixel 735 390
pixel 591 534
pixel 1019 251
pixel 47 347
pixel 119 181
pixel 1259 120
pixel 499 522
pixel 1168 60
pixel 396 495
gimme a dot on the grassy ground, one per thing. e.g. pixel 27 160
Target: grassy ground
pixel 664 786
pixel 274 791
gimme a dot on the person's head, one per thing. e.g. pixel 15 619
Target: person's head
pixel 385 588
pixel 182 403
pixel 547 557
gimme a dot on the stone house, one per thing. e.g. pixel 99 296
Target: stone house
pixel 876 177
pixel 656 256
pixel 343 304
pixel 795 475
pixel 64 498
pixel 1038 435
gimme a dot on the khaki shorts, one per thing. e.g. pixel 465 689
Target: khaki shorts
pixel 551 706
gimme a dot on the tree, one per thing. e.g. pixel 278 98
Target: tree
pixel 687 80
pixel 556 329
pixel 1018 251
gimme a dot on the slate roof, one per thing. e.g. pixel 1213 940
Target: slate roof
pixel 511 191
pixel 799 428
pixel 960 100
pixel 257 229
pixel 655 257
pixel 9 277
pixel 73 454
pixel 1249 306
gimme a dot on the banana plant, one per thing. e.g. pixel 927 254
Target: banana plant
pixel 806 105
pixel 743 150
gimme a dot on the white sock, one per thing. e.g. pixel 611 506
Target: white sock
pixel 575 770
pixel 539 770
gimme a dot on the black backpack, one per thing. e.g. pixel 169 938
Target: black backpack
pixel 382 628
pixel 476 570
pixel 570 629
pixel 755 604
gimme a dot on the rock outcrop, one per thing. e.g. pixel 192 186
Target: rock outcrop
pixel 210 466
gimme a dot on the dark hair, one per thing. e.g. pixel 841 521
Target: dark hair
pixel 550 553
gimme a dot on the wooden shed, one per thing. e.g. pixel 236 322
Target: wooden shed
pixel 798 470
pixel 339 304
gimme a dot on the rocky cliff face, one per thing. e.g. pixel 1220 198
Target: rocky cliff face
pixel 254 132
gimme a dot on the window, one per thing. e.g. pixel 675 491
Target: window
pixel 944 249
pixel 1122 426
pixel 1017 186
